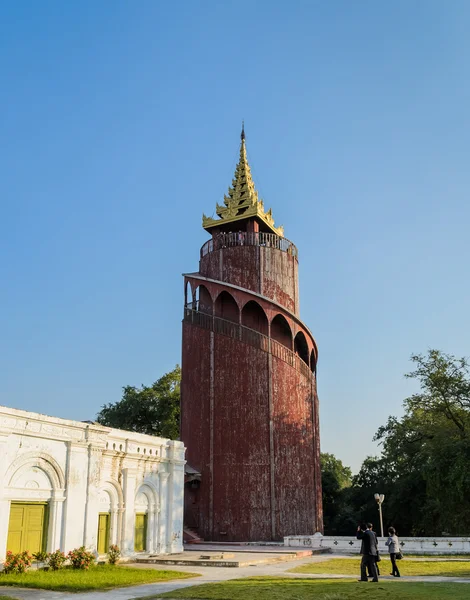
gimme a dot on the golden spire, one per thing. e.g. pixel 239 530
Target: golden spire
pixel 242 201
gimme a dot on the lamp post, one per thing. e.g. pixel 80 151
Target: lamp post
pixel 379 498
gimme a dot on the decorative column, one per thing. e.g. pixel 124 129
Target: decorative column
pixel 175 498
pixel 128 521
pixel 90 537
pixel 162 538
pixel 151 528
pixel 55 521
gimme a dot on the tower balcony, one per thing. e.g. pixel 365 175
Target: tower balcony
pixel 248 336
pixel 247 238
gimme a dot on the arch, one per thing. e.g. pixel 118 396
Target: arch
pixel 281 331
pixel 301 346
pixel 254 317
pixel 227 308
pixel 113 489
pixel 40 460
pixel 313 362
pixel 203 300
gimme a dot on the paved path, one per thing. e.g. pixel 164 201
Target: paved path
pixel 208 575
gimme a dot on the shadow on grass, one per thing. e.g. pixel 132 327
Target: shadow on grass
pixel 279 588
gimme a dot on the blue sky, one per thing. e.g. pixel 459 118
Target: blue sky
pixel 120 125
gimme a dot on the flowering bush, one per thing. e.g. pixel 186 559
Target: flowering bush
pixel 114 553
pixel 17 563
pixel 55 560
pixel 80 558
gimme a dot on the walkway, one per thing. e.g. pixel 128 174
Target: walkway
pixel 208 575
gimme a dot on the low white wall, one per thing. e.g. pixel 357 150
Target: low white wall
pixel 351 545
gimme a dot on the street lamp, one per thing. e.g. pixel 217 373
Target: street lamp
pixel 379 498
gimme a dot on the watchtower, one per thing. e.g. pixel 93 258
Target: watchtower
pixel 248 395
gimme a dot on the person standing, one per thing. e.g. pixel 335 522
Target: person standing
pixel 369 552
pixel 393 549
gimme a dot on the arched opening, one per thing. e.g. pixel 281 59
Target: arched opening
pixel 188 295
pixel 104 522
pixel 35 484
pixel 141 522
pixel 203 300
pixel 226 307
pixel 301 347
pixel 313 364
pixel 281 332
pixel 110 500
pixel 254 317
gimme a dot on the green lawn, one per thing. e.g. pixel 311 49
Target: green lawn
pixel 7 598
pixel 278 588
pixel 101 577
pixel 347 566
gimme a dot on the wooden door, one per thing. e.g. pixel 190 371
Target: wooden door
pixel 26 528
pixel 103 533
pixel 140 536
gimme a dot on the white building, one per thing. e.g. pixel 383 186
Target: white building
pixel 65 484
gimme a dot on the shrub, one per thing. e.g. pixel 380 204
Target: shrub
pixel 56 560
pixel 40 556
pixel 80 558
pixel 17 563
pixel 114 554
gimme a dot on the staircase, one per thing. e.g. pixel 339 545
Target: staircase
pixel 190 536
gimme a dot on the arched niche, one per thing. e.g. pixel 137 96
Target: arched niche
pixel 254 317
pixel 313 364
pixel 301 347
pixel 226 307
pixel 203 300
pixel 281 332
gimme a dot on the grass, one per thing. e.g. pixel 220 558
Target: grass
pixel 101 577
pixel 278 588
pixel 346 566
pixel 7 598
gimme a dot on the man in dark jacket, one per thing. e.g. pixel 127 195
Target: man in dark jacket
pixel 369 552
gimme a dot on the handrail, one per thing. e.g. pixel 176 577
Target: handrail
pixel 247 335
pixel 247 238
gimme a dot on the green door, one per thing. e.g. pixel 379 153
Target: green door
pixel 103 533
pixel 140 537
pixel 26 528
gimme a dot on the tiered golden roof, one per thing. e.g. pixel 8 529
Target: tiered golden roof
pixel 242 201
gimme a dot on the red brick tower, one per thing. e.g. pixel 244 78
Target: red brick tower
pixel 248 396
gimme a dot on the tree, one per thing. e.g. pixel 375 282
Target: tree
pixel 153 410
pixel 427 451
pixel 336 478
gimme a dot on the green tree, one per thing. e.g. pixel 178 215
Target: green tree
pixel 338 517
pixel 154 410
pixel 427 451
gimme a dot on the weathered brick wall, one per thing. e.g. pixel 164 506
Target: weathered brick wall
pixel 266 271
pixel 294 433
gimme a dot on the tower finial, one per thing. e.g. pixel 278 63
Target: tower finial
pixel 243 131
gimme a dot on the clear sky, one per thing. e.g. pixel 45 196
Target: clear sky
pixel 120 125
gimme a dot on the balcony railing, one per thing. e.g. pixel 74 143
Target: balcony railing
pixel 245 238
pixel 248 336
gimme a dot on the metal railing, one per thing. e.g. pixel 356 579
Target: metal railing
pixel 245 238
pixel 248 336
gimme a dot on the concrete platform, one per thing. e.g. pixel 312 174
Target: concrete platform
pixel 205 555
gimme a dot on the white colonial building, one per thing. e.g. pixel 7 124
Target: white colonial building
pixel 65 484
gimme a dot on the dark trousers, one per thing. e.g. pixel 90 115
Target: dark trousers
pixel 368 562
pixel 393 558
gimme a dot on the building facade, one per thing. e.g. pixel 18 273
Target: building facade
pixel 65 484
pixel 248 396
